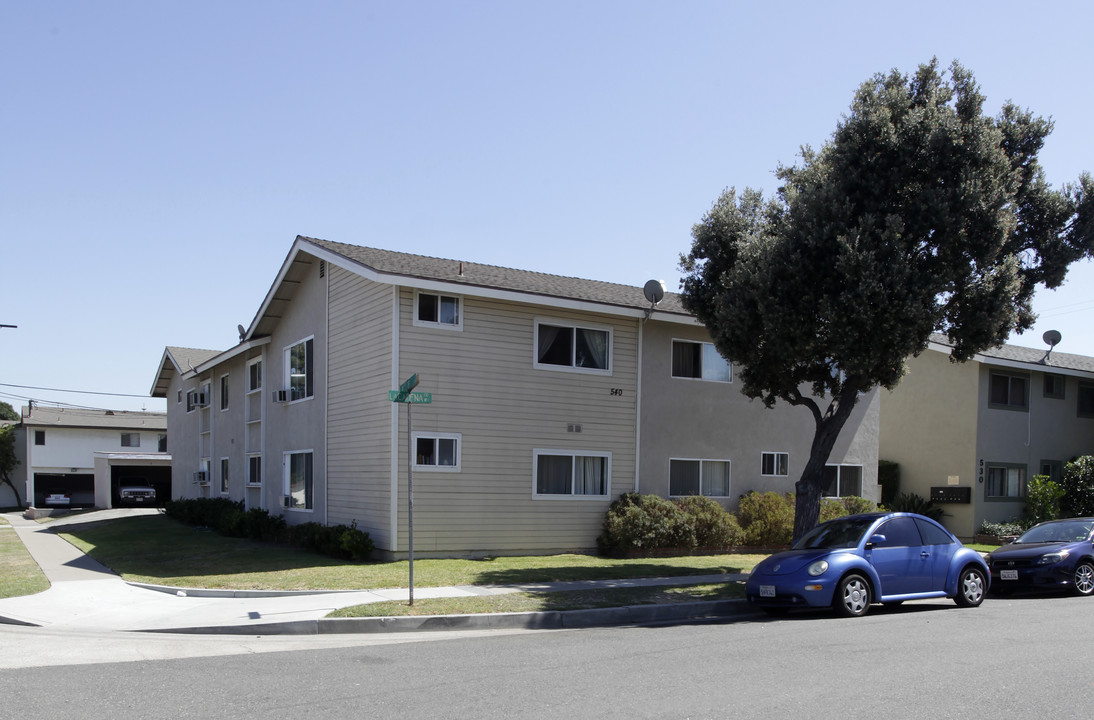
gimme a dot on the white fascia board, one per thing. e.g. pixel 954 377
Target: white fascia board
pixel 159 458
pixel 159 373
pixel 296 247
pixel 228 355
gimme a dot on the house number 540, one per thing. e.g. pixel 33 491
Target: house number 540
pixel 617 392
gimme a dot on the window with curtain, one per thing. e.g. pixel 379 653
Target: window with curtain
pixel 1006 481
pixel 561 473
pixel 842 480
pixel 573 347
pixel 441 310
pixel 298 479
pixel 709 478
pixel 699 361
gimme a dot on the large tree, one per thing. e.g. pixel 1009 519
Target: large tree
pixel 921 214
pixel 8 463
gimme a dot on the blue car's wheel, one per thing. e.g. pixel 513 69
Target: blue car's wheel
pixel 1083 580
pixel 852 597
pixel 971 587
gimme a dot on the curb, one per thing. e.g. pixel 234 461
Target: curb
pixel 216 593
pixel 549 620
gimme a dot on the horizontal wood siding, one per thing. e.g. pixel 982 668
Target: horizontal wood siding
pixel 359 413
pixel 484 386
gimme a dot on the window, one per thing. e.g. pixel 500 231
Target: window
pixel 842 480
pixel 932 534
pixel 775 464
pixel 709 478
pixel 582 348
pixel 161 444
pixel 191 400
pixel 1008 392
pixel 1054 386
pixel 254 376
pixel 39 437
pixel 1086 400
pixel 223 392
pixel 179 397
pixel 563 473
pixel 1052 469
pixel 131 439
pixel 254 470
pixel 899 532
pixel 437 452
pixel 298 480
pixel 224 476
pixel 1006 482
pixel 298 370
pixel 438 310
pixel 699 360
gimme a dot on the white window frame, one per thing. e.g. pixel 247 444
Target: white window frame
pixel 1023 481
pixel 702 461
pixel 190 407
pixel 435 436
pixel 225 479
pixel 250 375
pixel 131 436
pixel 775 463
pixel 839 473
pixel 573 455
pixel 287 374
pixel 457 326
pixel 572 367
pixel 251 480
pixel 704 346
pixel 286 470
pixel 161 443
pixel 225 387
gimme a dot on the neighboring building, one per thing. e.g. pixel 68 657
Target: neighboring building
pixel 972 434
pixel 551 396
pixel 80 458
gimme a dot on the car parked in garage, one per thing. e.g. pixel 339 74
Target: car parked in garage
pixel 1054 555
pixel 138 492
pixel 851 562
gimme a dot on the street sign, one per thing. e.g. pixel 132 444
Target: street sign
pixel 410 384
pixel 413 398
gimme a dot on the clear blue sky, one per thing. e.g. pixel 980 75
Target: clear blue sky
pixel 159 158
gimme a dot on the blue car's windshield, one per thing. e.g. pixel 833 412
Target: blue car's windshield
pixel 842 533
pixel 1071 531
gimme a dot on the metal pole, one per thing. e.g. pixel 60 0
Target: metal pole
pixel 410 494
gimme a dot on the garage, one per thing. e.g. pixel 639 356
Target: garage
pixel 63 490
pixel 132 479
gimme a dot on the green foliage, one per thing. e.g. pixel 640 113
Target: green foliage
pixel 1042 499
pixel 229 518
pixel 910 502
pixel 1002 529
pixel 888 477
pixel 1078 486
pixel 767 519
pixel 638 522
pixel 7 412
pixel 921 214
pixel 8 462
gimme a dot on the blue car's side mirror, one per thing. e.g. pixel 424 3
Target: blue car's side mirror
pixel 875 540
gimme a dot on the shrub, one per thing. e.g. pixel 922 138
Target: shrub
pixel 645 522
pixel 855 505
pixel 766 518
pixel 1078 486
pixel 1001 529
pixel 714 527
pixel 1042 499
pixel 830 509
pixel 910 502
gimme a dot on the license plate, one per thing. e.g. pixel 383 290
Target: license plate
pixel 1008 574
pixel 767 591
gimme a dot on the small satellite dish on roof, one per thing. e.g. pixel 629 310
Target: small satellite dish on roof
pixel 654 290
pixel 1052 338
pixel 242 332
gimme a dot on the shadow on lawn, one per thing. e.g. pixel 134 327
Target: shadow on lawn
pixel 563 573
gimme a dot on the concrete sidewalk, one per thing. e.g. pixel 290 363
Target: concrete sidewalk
pixel 86 595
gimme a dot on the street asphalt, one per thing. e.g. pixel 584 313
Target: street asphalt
pixel 86 595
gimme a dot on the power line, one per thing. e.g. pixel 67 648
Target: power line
pixel 78 392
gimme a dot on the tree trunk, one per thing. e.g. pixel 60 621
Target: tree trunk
pixel 7 481
pixel 810 486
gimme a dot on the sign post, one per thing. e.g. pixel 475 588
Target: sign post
pixel 410 399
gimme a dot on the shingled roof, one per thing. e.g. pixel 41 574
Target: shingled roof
pixel 476 275
pixel 1030 356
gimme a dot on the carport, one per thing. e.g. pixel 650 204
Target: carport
pixel 115 470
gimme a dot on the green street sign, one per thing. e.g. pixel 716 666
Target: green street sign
pixel 414 398
pixel 410 384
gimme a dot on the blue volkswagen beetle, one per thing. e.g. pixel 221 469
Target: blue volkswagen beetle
pixel 853 561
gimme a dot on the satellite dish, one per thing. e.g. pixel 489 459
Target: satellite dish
pixel 242 332
pixel 654 291
pixel 1052 338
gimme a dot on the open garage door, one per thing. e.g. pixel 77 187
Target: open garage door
pixel 59 490
pixel 140 485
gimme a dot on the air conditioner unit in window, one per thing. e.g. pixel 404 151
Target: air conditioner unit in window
pixel 287 501
pixel 200 478
pixel 280 396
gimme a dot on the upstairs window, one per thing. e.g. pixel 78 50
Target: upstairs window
pixel 699 361
pixel 1086 400
pixel 161 444
pixel 581 348
pixel 131 439
pixel 1054 386
pixel 254 376
pixel 298 370
pixel 438 310
pixel 39 437
pixel 1009 392
pixel 223 392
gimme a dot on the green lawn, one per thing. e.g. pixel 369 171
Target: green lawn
pixel 157 549
pixel 21 574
